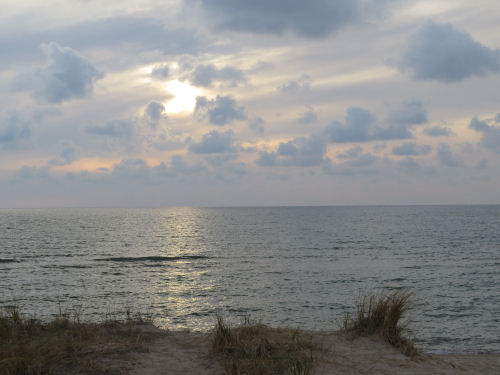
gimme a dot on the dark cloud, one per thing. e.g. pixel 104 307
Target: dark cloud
pixel 446 157
pixel 66 75
pixel 154 112
pixel 301 85
pixel 206 75
pixel 160 72
pixel 360 125
pixel 266 159
pixel 357 127
pixel 14 132
pixel 440 52
pixel 179 166
pixel 437 131
pixel 307 117
pixel 490 133
pixel 214 142
pixel 312 19
pixel 410 112
pixel 401 121
pixel 411 149
pixel 135 33
pixel 299 152
pixel 115 128
pixel 220 111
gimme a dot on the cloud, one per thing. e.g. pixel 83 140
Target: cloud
pixel 214 142
pixel 160 72
pixel 400 121
pixel 490 133
pixel 220 111
pixel 266 159
pixel 206 75
pixel 442 53
pixel 351 153
pixel 28 173
pixel 363 160
pixel 411 149
pixel 312 19
pixel 115 128
pixel 299 152
pixel 446 157
pixel 437 131
pixel 257 125
pixel 141 171
pixel 14 132
pixel 133 33
pixel 301 85
pixel 408 164
pixel 357 127
pixel 66 75
pixel 67 156
pixel 178 165
pixel 154 112
pixel 361 126
pixel 307 117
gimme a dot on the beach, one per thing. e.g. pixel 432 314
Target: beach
pixel 177 352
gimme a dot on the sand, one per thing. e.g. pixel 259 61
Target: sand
pixel 187 353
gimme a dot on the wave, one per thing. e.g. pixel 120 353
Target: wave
pixel 152 258
pixel 9 260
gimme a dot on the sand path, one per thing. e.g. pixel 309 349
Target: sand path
pixel 175 353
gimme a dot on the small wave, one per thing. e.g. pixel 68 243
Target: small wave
pixel 9 260
pixel 152 258
pixel 63 266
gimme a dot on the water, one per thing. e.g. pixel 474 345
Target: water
pixel 293 266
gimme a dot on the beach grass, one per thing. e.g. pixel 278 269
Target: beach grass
pixel 253 348
pixel 65 345
pixel 384 315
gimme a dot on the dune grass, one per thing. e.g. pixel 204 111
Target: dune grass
pixel 383 315
pixel 256 349
pixel 65 346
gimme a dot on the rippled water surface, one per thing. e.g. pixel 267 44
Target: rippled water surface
pixel 294 266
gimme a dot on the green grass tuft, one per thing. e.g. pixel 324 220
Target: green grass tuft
pixel 256 349
pixel 62 346
pixel 383 315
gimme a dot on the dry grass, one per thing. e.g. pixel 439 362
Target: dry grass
pixel 255 349
pixel 31 347
pixel 383 315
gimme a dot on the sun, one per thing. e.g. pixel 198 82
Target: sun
pixel 184 97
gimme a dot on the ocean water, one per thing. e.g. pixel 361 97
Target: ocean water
pixel 286 266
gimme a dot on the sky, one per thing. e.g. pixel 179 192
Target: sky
pixel 146 103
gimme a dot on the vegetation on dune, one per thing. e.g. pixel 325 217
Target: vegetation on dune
pixel 31 347
pixel 67 345
pixel 383 315
pixel 256 349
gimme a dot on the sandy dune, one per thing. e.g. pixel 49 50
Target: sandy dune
pixel 187 353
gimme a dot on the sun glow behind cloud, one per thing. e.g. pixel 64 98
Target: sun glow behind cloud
pixel 184 97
